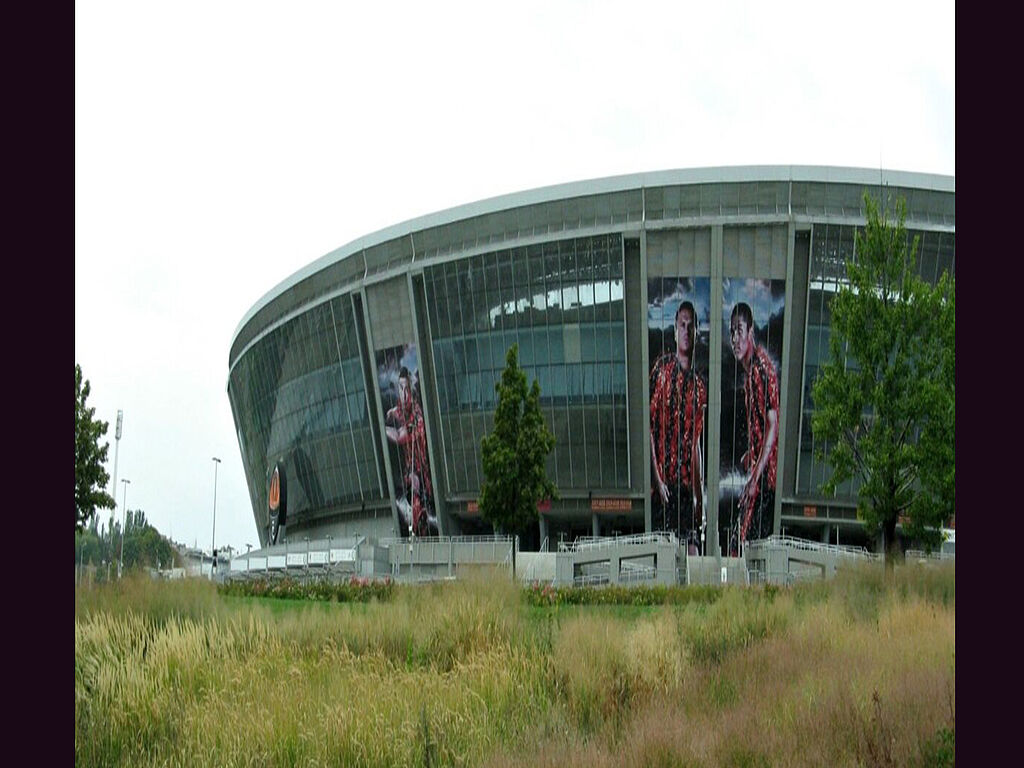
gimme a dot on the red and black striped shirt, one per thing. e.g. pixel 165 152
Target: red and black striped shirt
pixel 679 400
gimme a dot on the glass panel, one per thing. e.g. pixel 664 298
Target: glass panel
pixel 543 297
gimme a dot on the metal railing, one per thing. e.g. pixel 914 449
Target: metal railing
pixel 920 554
pixel 756 576
pixel 495 539
pixel 814 546
pixel 633 572
pixel 589 543
pixel 319 559
pixel 592 580
pixel 453 550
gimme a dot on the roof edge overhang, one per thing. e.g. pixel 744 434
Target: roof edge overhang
pixel 609 184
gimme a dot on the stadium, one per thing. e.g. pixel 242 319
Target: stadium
pixel 674 320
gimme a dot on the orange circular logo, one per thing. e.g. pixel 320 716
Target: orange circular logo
pixel 275 490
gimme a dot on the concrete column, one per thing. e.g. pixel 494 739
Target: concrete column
pixel 595 524
pixel 826 534
pixel 542 522
pixel 641 427
pixel 713 546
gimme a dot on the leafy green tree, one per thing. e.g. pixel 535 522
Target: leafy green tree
pixel 885 400
pixel 144 545
pixel 94 545
pixel 515 452
pixel 90 476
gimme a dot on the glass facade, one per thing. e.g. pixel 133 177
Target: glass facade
pixel 562 303
pixel 300 398
pixel 415 335
pixel 832 245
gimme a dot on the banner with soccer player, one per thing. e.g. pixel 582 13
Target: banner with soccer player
pixel 753 315
pixel 678 323
pixel 405 429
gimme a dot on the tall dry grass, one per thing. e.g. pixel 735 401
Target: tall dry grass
pixel 859 671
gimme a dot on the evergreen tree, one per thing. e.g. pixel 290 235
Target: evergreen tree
pixel 885 399
pixel 515 452
pixel 90 475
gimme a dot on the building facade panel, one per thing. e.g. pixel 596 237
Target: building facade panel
pixel 368 378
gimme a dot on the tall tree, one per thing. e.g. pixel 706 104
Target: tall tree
pixel 514 454
pixel 885 399
pixel 90 476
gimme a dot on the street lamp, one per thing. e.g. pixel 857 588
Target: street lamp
pixel 124 501
pixel 117 450
pixel 213 536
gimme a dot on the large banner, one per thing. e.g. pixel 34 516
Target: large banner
pixel 399 383
pixel 678 324
pixel 753 313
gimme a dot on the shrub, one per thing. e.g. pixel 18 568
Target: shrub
pixel 541 595
pixel 354 590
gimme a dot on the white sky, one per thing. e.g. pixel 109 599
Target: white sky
pixel 221 146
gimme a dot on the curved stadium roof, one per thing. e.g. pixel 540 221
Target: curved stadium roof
pixel 484 227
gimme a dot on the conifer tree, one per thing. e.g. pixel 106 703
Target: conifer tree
pixel 514 453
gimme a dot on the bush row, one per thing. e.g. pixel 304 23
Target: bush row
pixel 355 590
pixel 543 595
pixel 364 590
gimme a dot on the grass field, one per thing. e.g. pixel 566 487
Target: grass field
pixel 856 671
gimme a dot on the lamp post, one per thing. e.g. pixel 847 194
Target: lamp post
pixel 213 536
pixel 117 450
pixel 124 508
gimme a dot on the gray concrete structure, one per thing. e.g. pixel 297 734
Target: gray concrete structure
pixel 784 560
pixel 655 558
pixel 362 557
pixel 571 274
pixel 651 558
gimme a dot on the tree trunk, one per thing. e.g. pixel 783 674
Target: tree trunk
pixel 892 547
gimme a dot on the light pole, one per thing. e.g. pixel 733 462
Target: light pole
pixel 117 449
pixel 124 501
pixel 213 537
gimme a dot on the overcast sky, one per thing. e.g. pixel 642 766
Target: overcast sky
pixel 221 146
